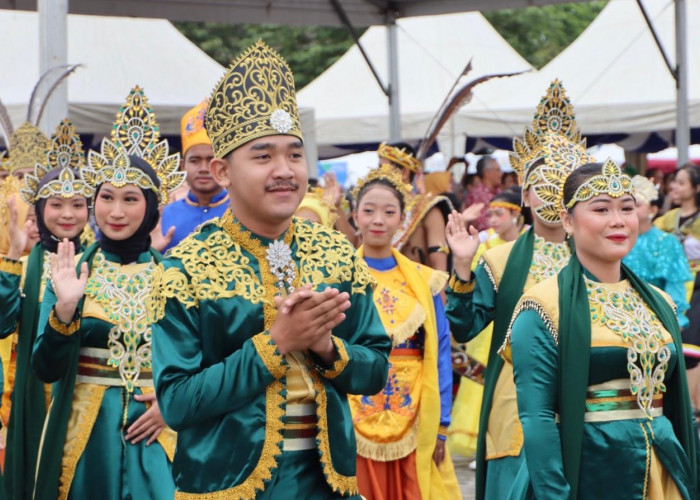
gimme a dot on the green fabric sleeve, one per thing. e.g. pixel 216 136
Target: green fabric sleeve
pixel 363 345
pixel 52 350
pixel 534 355
pixel 470 312
pixel 10 298
pixel 189 393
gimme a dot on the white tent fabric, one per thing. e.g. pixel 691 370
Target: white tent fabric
pixel 615 76
pixel 117 53
pixel 351 108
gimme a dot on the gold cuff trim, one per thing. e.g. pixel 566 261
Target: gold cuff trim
pixel 443 431
pixel 267 350
pixel 11 266
pixel 459 286
pixel 340 362
pixel 61 327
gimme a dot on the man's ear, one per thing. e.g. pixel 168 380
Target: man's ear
pixel 220 171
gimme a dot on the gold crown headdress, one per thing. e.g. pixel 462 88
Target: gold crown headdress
pixel 611 181
pixel 255 98
pixel 388 173
pixel 554 115
pixel 645 189
pixel 399 157
pixel 553 142
pixel 135 132
pixel 28 147
pixel 65 153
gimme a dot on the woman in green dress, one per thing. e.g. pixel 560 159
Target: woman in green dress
pixel 60 199
pixel 598 365
pixel 104 435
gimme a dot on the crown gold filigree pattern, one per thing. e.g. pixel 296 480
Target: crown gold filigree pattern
pixel 390 174
pixel 28 147
pixel 135 132
pixel 611 181
pixel 65 154
pixel 255 98
pixel 399 156
pixel 554 115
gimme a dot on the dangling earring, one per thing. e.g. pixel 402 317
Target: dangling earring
pixel 650 217
pixel 515 221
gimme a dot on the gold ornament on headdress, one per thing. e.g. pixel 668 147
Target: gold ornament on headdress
pixel 28 147
pixel 399 157
pixel 550 150
pixel 135 132
pixel 65 153
pixel 611 182
pixel 255 98
pixel 554 115
pixel 388 173
pixel 645 189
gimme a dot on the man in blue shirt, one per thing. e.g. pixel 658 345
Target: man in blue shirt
pixel 205 198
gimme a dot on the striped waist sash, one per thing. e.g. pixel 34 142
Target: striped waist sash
pixel 300 427
pixel 93 368
pixel 613 400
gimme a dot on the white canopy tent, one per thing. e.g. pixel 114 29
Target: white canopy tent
pixel 615 75
pixel 432 52
pixel 116 53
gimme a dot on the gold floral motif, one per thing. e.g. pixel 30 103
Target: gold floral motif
pixel 255 98
pixel 123 297
pixel 10 266
pixel 548 258
pixel 611 181
pixel 170 283
pixel 625 313
pixel 61 327
pixel 28 147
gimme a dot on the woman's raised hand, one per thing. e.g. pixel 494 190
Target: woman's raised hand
pixel 68 285
pixel 463 243
pixel 18 237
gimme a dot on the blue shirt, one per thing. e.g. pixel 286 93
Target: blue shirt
pixel 186 214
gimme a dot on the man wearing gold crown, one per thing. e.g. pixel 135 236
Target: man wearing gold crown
pixel 205 198
pixel 421 236
pixel 551 150
pixel 264 322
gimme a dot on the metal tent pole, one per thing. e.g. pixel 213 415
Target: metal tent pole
pixel 393 56
pixel 53 51
pixel 682 126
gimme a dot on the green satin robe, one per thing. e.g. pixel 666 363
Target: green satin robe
pixel 220 380
pixel 109 468
pixel 614 455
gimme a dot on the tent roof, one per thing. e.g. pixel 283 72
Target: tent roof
pixel 433 51
pixel 296 12
pixel 614 74
pixel 117 53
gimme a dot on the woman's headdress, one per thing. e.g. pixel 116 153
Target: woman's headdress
pixel 65 155
pixel 135 132
pixel 550 150
pixel 386 173
pixel 611 181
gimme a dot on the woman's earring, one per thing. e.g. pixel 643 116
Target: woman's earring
pixel 515 221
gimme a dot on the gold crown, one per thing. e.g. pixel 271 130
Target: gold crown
pixel 28 147
pixel 399 157
pixel 611 182
pixel 644 188
pixel 65 153
pixel 554 115
pixel 316 201
pixel 135 132
pixel 255 98
pixel 390 174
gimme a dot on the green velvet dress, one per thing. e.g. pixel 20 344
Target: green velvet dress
pixel 222 384
pixel 104 354
pixel 629 446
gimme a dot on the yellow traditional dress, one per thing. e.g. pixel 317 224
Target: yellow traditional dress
pixel 397 428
